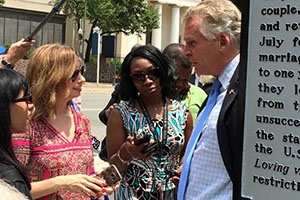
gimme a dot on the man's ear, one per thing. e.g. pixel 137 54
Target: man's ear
pixel 224 39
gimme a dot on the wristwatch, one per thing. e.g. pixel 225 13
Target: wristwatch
pixel 7 64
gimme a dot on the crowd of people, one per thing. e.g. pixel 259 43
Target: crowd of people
pixel 161 135
pixel 49 155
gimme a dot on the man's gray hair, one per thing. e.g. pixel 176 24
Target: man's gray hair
pixel 218 16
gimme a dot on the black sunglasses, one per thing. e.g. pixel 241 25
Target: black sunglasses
pixel 141 76
pixel 27 99
pixel 76 73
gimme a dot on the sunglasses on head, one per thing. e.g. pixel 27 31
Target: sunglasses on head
pixel 27 99
pixel 75 75
pixel 141 76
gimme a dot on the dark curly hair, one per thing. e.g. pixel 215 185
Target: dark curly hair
pixel 11 84
pixel 168 75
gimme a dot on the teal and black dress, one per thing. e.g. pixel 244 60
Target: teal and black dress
pixel 150 178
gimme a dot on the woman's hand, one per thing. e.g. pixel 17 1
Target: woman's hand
pixel 85 185
pixel 18 50
pixel 108 110
pixel 136 150
pixel 77 183
pixel 106 190
pixel 175 179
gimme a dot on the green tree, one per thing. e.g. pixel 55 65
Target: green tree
pixel 2 2
pixel 113 16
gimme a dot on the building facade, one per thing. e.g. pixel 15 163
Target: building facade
pixel 19 17
pixel 170 26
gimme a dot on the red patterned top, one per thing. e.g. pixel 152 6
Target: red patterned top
pixel 50 154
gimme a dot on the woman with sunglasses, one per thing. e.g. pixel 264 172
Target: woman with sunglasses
pixel 148 131
pixel 58 147
pixel 15 105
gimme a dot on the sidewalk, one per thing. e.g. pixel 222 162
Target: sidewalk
pixel 90 87
pixel 100 87
pixel 98 163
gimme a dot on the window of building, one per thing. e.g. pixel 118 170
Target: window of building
pixel 17 24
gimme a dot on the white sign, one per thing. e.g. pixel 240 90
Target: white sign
pixel 271 151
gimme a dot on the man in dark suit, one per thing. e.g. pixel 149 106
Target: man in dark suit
pixel 212 161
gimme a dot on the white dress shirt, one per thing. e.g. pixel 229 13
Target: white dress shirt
pixel 208 178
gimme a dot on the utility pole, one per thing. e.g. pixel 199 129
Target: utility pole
pixel 97 30
pixel 83 30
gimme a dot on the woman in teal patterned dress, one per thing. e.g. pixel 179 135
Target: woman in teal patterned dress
pixel 148 81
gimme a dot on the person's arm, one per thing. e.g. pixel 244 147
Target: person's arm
pixel 187 132
pixel 78 183
pixel 103 115
pixel 116 141
pixel 15 52
pixel 120 147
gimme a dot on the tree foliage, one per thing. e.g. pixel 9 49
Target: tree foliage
pixel 1 2
pixel 113 16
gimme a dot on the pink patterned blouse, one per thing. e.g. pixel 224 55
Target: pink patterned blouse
pixel 50 154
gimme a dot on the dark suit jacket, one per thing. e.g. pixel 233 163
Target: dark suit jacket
pixel 192 78
pixel 229 138
pixel 115 98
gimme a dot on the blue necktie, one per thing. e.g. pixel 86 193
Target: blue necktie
pixel 212 99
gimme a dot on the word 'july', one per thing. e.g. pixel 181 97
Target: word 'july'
pixel 272 42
